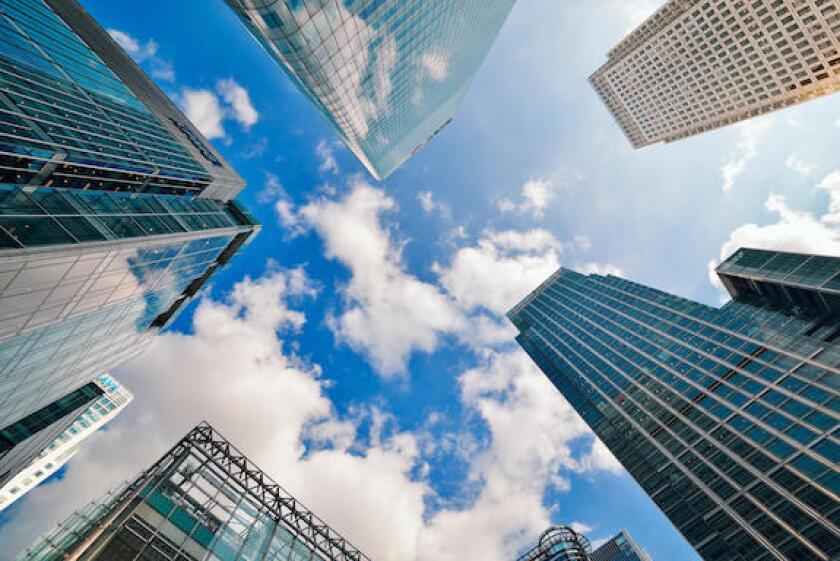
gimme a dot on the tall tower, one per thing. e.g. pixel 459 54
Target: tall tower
pixel 727 417
pixel 114 212
pixel 620 547
pixel 387 75
pixel 694 66
pixel 559 543
pixel 114 399
pixel 202 501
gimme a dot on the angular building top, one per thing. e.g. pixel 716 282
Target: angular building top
pixel 727 417
pixel 387 75
pixel 694 65
pixel 110 404
pixel 78 112
pixel 620 548
pixel 202 501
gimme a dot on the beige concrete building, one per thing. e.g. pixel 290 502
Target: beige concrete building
pixel 696 65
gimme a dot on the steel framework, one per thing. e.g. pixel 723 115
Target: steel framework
pixel 559 543
pixel 281 505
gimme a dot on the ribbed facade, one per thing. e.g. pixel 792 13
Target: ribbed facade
pixel 114 212
pixel 202 501
pixel 111 403
pixel 727 417
pixel 559 543
pixel 387 75
pixel 697 65
pixel 620 548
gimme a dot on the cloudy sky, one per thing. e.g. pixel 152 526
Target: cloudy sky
pixel 357 349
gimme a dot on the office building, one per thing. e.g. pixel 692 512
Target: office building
pixel 698 65
pixel 559 543
pixel 727 417
pixel 114 212
pixel 620 548
pixel 111 403
pixel 386 75
pixel 201 501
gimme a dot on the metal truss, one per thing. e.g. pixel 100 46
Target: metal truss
pixel 559 543
pixel 280 504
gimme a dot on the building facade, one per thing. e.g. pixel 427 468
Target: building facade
pixel 620 548
pixel 201 501
pixel 114 212
pixel 114 399
pixel 697 65
pixel 727 417
pixel 386 75
pixel 559 543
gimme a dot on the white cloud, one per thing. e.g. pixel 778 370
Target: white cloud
pixel 427 201
pixel 536 194
pixel 750 134
pixel 436 66
pixel 581 528
pixel 208 111
pixel 582 243
pixel 145 53
pixel 509 392
pixel 600 458
pixel 238 101
pixel 203 109
pixel 389 313
pixel 799 166
pixel 501 268
pixel 601 269
pixel 325 152
pixel 794 230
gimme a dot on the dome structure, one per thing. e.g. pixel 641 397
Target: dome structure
pixel 559 543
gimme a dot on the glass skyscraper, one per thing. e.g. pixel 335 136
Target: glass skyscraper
pixel 620 548
pixel 114 399
pixel 114 212
pixel 388 75
pixel 559 543
pixel 727 417
pixel 201 501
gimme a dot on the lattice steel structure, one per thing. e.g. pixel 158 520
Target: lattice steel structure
pixel 114 213
pixel 387 75
pixel 696 65
pixel 203 500
pixel 727 417
pixel 559 543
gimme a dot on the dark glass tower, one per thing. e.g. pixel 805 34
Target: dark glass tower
pixel 727 417
pixel 202 501
pixel 620 548
pixel 559 543
pixel 114 212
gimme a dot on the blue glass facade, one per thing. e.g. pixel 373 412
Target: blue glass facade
pixel 114 212
pixel 203 501
pixel 559 543
pixel 620 548
pixel 727 417
pixel 387 75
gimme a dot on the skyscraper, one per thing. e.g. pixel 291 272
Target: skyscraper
pixel 111 403
pixel 559 543
pixel 387 75
pixel 620 548
pixel 201 501
pixel 727 417
pixel 695 66
pixel 114 212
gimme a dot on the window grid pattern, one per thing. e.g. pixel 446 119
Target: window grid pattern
pixel 203 501
pixel 64 114
pixel 736 440
pixel 620 548
pixel 387 75
pixel 701 64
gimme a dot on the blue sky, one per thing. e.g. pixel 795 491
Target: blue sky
pixel 356 350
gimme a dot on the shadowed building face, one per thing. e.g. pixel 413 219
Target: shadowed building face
pixel 727 417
